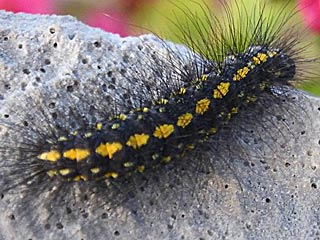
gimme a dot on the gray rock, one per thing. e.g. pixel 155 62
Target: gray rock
pixel 260 182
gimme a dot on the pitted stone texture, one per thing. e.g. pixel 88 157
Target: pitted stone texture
pixel 277 198
pixel 67 58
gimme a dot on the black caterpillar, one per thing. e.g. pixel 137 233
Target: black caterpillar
pixel 146 137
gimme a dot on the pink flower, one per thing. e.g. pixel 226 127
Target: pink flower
pixel 28 6
pixel 311 13
pixel 134 5
pixel 110 21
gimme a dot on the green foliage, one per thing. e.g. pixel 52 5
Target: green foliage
pixel 176 21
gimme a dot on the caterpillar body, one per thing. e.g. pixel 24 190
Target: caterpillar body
pixel 148 136
pixel 178 123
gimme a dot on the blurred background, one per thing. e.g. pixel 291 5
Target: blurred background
pixel 136 17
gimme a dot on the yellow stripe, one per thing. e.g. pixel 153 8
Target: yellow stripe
pixel 184 120
pixel 138 140
pixel 77 154
pixel 202 106
pixel 163 131
pixel 51 156
pixel 108 149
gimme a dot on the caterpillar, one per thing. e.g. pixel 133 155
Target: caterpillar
pixel 170 129
pixel 165 130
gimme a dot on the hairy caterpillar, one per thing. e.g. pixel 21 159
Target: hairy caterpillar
pixel 165 130
pixel 186 113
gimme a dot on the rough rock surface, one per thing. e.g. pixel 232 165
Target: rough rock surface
pixel 267 189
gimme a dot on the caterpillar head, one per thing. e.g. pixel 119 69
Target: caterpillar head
pixel 260 64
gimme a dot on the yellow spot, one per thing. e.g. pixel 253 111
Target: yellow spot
pixel 180 145
pixel 76 178
pixel 64 171
pixel 87 135
pixel 184 120
pixel 138 140
pixel 77 154
pixel 222 90
pixel 52 173
pixel 234 110
pixel 84 178
pixel 74 133
pixel 155 156
pixel 115 126
pixel 140 117
pixel 213 130
pixel 182 91
pixel 128 164
pixel 163 131
pixel 196 81
pixel 221 114
pixel 162 101
pixel 256 60
pixel 99 126
pixel 241 73
pixel 122 117
pixel 251 99
pixel 161 110
pixel 141 168
pixel 62 139
pixel 202 131
pixel 190 146
pixel 80 177
pixel 51 156
pixel 272 54
pixel 251 65
pixel 241 94
pixel 217 94
pixel 111 175
pixel 145 109
pixel 262 85
pixel 95 170
pixel 108 149
pixel 166 159
pixel 262 56
pixel 204 77
pixel 202 106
